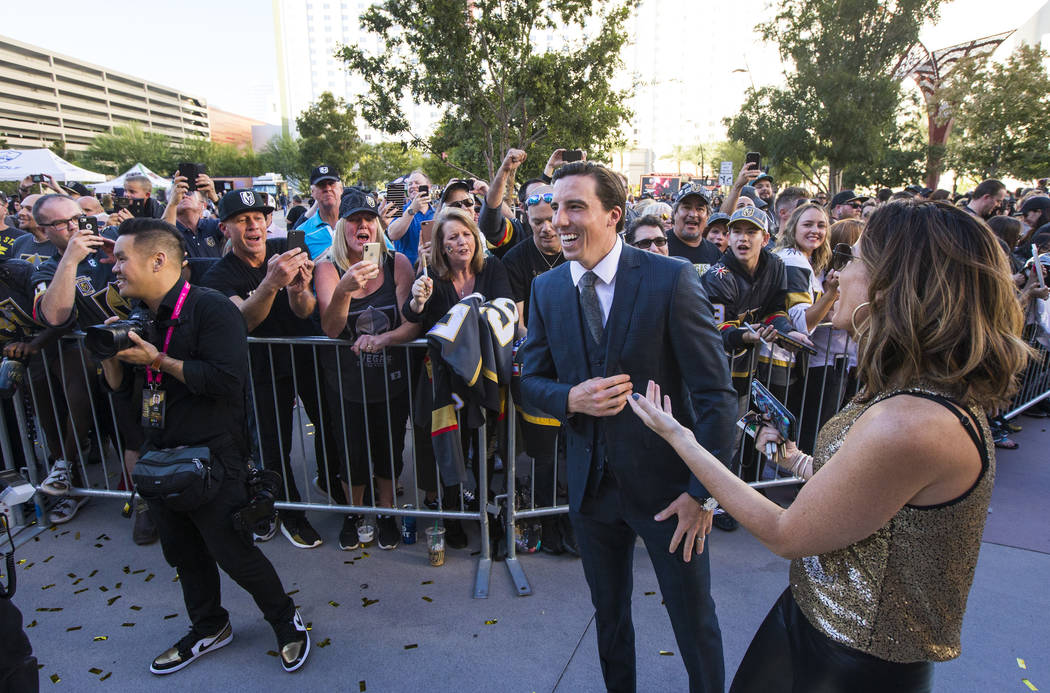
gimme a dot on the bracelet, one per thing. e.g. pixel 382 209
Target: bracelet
pixel 157 361
pixel 802 465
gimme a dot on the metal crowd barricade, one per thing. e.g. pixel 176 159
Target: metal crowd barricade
pixel 68 377
pixel 1035 381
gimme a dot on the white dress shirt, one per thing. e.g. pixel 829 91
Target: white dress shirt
pixel 605 287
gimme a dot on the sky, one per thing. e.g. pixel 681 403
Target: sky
pixel 224 51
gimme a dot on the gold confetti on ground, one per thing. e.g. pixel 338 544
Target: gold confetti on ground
pixel 100 638
pixel 47 587
pixel 55 678
pixel 21 561
pixel 649 594
pixel 140 570
pixel 427 599
pixel 93 572
pixel 73 628
pixel 427 582
pixel 1021 664
pixel 365 554
pixel 325 643
pixel 106 676
pixel 170 616
pixel 1031 686
pixel 32 625
pixel 103 588
pixel 492 622
pixel 368 602
pixel 110 601
pixel 48 559
pixel 135 608
pixel 127 625
pixel 82 589
pixel 94 670
pixel 411 647
pixel 71 575
pixel 150 577
pixel 78 581
pixel 333 603
pixel 272 653
pixel 292 592
pixel 361 686
pixel 666 653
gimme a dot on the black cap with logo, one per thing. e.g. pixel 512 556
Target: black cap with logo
pixel 237 201
pixel 321 173
pixel 357 200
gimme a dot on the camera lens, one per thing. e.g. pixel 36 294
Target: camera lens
pixel 104 341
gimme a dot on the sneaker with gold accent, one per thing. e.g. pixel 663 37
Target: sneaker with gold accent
pixel 190 648
pixel 293 640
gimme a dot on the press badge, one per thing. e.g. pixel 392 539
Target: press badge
pixel 153 404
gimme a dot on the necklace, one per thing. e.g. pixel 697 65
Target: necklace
pixel 550 265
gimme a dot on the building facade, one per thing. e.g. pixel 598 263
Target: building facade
pixel 48 97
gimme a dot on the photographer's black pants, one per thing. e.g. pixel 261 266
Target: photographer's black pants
pixel 275 394
pixel 198 543
pixel 18 670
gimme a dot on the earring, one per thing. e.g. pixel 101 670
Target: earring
pixel 853 317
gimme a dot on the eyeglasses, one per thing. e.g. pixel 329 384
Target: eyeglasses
pixel 461 204
pixel 644 243
pixel 855 205
pixel 841 255
pixel 64 222
pixel 533 200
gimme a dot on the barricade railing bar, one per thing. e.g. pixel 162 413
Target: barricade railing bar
pixel 331 422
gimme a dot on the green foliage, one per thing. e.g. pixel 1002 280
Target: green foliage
pixel 1002 116
pixel 840 103
pixel 902 160
pixel 379 163
pixel 484 64
pixel 222 159
pixel 117 151
pixel 328 134
pixel 282 155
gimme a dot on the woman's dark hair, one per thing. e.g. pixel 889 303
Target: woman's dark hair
pixel 608 185
pixel 1006 228
pixel 647 220
pixel 943 306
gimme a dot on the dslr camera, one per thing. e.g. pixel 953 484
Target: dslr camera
pixel 104 341
pixel 264 487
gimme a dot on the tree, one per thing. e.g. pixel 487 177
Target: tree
pixel 1002 116
pixel 477 60
pixel 841 99
pixel 903 158
pixel 384 161
pixel 117 151
pixel 282 155
pixel 328 132
pixel 221 158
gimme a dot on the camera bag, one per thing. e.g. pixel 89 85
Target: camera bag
pixel 183 478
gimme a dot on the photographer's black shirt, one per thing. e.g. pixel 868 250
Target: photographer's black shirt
pixel 524 262
pixel 232 276
pixel 209 408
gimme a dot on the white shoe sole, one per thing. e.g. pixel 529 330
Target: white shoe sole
pixel 293 542
pixel 212 646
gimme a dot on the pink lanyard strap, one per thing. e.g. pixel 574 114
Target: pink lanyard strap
pixel 153 379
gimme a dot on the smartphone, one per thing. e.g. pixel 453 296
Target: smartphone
pixel 371 253
pixel 783 340
pixel 38 177
pixel 424 190
pixel 87 223
pixel 1038 265
pixel 425 228
pixel 137 208
pixel 753 158
pixel 191 171
pixel 120 202
pixel 570 155
pixel 297 239
pixel 773 410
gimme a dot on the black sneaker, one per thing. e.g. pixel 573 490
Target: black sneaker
pixel 348 534
pixel 297 529
pixel 455 537
pixel 293 641
pixel 190 648
pixel 725 522
pixel 389 534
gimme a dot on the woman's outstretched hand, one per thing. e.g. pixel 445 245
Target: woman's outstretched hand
pixel 654 411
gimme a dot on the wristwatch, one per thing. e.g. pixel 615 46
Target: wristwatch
pixel 709 504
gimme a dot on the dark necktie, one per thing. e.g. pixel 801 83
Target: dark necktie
pixel 592 308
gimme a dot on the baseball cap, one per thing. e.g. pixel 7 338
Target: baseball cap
pixel 460 184
pixel 323 172
pixel 764 176
pixel 357 200
pixel 1034 203
pixel 750 192
pixel 749 216
pixel 237 201
pixel 691 189
pixel 845 196
pixel 716 218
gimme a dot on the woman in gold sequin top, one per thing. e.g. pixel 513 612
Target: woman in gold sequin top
pixel 884 535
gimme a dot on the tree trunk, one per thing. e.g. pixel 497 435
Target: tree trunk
pixel 834 179
pixel 938 134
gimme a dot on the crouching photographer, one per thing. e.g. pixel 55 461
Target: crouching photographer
pixel 191 361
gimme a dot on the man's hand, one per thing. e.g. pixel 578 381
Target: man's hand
pixel 798 337
pixel 179 189
pixel 831 281
pixel 142 354
pixel 81 244
pixel 283 269
pixel 764 332
pixel 600 396
pixel 19 350
pixel 480 188
pixel 747 174
pixel 420 203
pixel 556 161
pixel 513 159
pixel 303 278
pixel 116 217
pixel 387 213
pixel 206 187
pixel 694 524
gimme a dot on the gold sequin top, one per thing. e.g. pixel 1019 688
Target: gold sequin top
pixel 899 594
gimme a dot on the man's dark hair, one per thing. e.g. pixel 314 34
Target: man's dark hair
pixel 44 201
pixel 607 184
pixel 991 186
pixel 940 194
pixel 901 195
pixel 297 200
pixel 789 197
pixel 523 188
pixel 883 194
pixel 647 220
pixel 155 234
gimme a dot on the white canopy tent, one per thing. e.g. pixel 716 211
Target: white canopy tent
pixel 16 164
pixel 136 170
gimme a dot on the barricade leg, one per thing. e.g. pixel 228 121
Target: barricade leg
pixel 510 464
pixel 484 570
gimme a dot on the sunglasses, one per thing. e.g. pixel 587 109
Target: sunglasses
pixel 855 205
pixel 841 255
pixel 533 200
pixel 461 204
pixel 644 244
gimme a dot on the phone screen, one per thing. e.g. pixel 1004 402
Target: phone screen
pixel 371 253
pixel 570 155
pixel 297 239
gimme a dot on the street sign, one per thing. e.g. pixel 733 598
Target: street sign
pixel 725 173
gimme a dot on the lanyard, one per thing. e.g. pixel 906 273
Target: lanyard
pixel 153 379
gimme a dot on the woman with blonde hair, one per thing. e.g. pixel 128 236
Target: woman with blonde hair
pixel 360 301
pixel 884 535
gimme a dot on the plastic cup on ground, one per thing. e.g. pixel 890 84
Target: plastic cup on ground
pixel 436 545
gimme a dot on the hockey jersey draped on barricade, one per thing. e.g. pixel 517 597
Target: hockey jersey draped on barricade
pixel 468 365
